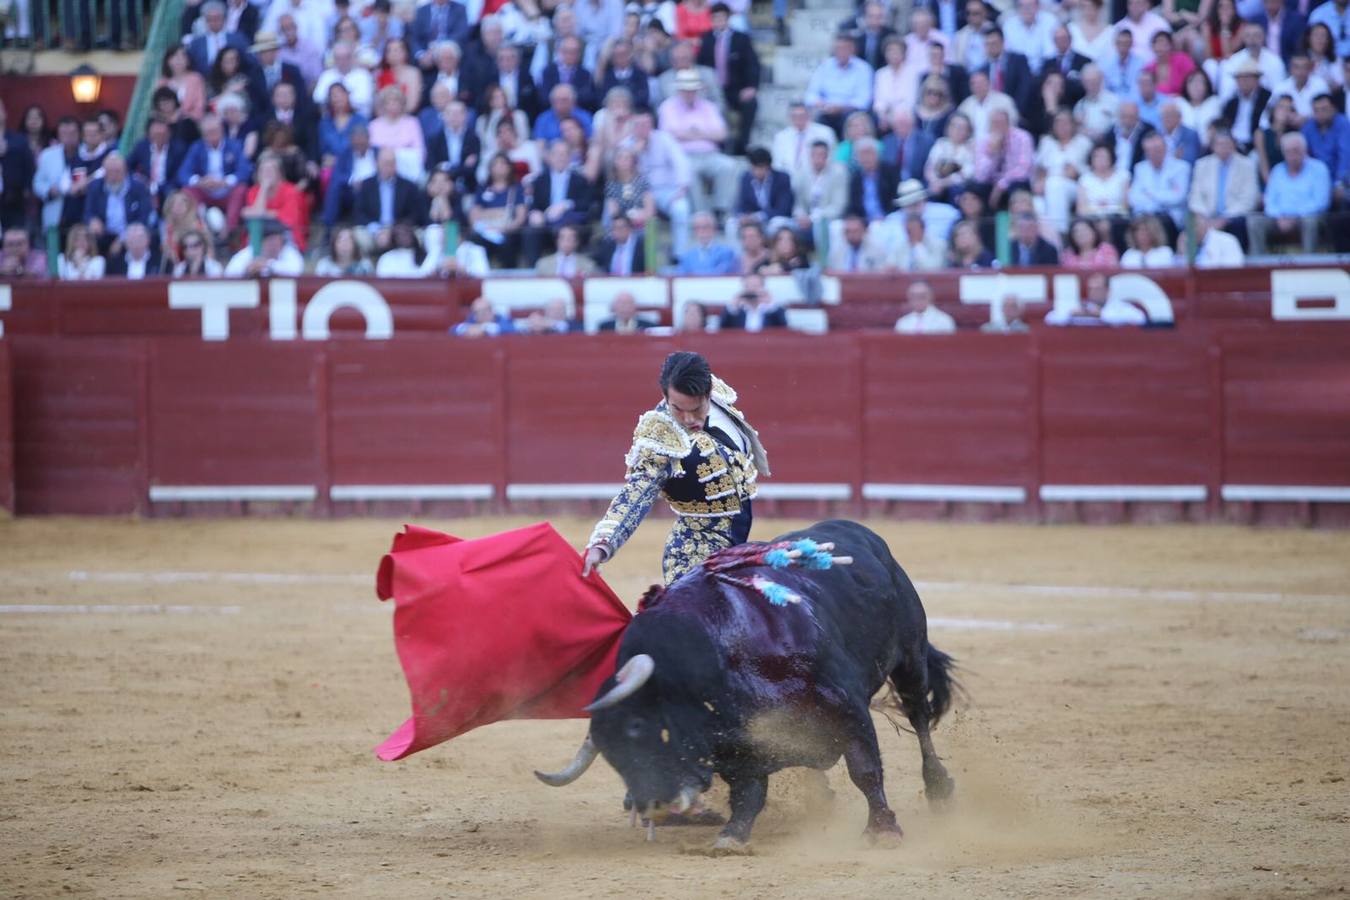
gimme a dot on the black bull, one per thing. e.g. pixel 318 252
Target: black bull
pixel 713 679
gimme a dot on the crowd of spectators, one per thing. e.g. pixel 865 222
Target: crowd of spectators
pixel 356 136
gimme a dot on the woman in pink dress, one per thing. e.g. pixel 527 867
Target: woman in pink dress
pixel 1170 66
pixel 1085 248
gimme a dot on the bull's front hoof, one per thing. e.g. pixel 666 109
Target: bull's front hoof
pixel 940 792
pixel 726 845
pixel 884 838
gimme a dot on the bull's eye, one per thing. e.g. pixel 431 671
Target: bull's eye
pixel 634 729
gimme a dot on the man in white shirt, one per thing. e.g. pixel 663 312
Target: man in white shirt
pixel 355 79
pixel 667 168
pixel 1099 307
pixel 923 317
pixel 1161 182
pixel 857 252
pixel 1097 111
pixel 1030 32
pixel 277 256
pixel 792 145
pixel 983 100
pixel 1253 50
pixel 1302 86
pixel 1218 249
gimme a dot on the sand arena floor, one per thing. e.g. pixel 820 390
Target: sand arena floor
pixel 190 708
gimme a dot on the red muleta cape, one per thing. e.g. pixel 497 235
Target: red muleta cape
pixel 502 627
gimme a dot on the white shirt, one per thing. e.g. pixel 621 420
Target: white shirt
pixel 792 148
pixel 1302 97
pixel 1157 258
pixel 1219 249
pixel 717 418
pixel 931 321
pixel 1114 312
pixel 290 262
pixel 1034 41
pixel 1097 114
pixel 136 267
pixel 1272 71
pixel 357 82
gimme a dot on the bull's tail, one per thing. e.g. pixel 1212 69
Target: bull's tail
pixel 941 683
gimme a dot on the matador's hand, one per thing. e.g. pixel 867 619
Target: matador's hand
pixel 594 557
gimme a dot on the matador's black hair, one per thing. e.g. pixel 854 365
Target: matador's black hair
pixel 687 373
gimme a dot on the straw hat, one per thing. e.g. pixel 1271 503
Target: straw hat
pixel 911 191
pixel 264 41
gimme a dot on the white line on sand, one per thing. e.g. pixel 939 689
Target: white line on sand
pixel 1075 592
pixel 962 624
pixel 88 609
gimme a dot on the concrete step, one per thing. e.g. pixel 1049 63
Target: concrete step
pixel 792 66
pixel 811 30
pixel 774 101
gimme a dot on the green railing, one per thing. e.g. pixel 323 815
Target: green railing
pixel 165 31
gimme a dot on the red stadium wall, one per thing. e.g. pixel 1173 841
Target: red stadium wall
pixel 120 406
pixel 52 93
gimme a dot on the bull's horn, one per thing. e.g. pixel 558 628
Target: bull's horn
pixel 628 680
pixel 586 755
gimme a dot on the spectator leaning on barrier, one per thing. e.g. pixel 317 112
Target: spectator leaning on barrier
pixel 18 259
pixel 276 256
pixel 552 319
pixel 194 257
pixel 753 309
pixel 1217 248
pixel 482 321
pixel 1005 317
pixel 923 317
pixel 1148 245
pixel 1296 199
pixel 1097 308
pixel 622 252
pixel 136 259
pixel 81 261
pixel 1028 247
pixel 624 318
pixel 857 252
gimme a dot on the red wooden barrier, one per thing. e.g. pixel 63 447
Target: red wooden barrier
pixel 1200 416
pixel 6 432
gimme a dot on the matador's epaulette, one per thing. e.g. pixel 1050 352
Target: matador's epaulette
pixel 658 433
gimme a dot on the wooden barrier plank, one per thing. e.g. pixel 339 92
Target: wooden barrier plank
pixel 6 431
pixel 1124 407
pixel 233 413
pixel 948 409
pixel 78 425
pixel 1286 407
pixel 415 412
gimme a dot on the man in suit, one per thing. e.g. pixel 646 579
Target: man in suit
pixel 820 192
pixel 731 54
pixel 386 199
pixel 439 20
pixel 1243 110
pixel 753 309
pixel 905 149
pixel 156 158
pixel 216 172
pixel 623 252
pixel 241 17
pixel 204 48
pixel 561 196
pixel 1182 142
pixel 957 78
pixel 480 56
pixel 455 147
pixel 623 72
pixel 1284 26
pixel 135 258
pixel 949 16
pixel 115 201
pixel 1126 137
pixel 1224 186
pixel 792 144
pixel 17 168
pixel 514 78
pixel 872 34
pixel 1067 62
pixel 871 189
pixel 569 70
pixel 354 165
pixel 569 261
pixel 624 318
pixel 286 109
pixel 271 71
pixel 1009 73
pixel 1028 247
pixel 856 252
pixel 763 196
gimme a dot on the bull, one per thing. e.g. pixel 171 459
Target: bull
pixel 714 679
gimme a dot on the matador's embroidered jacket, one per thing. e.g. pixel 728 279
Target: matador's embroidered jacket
pixel 708 484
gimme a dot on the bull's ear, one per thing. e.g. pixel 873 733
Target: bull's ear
pixel 627 681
